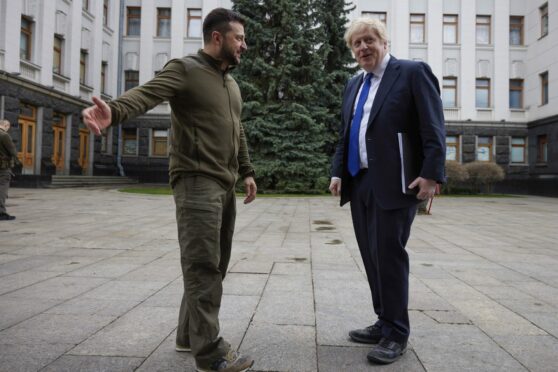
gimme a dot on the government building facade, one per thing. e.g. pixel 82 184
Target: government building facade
pixel 496 60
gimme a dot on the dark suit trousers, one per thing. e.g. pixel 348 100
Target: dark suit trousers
pixel 382 235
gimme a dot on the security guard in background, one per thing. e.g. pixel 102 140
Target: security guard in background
pixel 8 158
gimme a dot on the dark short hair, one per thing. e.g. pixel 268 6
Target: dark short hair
pixel 218 20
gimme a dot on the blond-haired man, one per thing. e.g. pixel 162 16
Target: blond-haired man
pixel 388 97
pixel 8 158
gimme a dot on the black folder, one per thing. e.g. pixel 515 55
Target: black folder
pixel 410 163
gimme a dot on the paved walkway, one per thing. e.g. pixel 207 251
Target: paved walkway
pixel 90 281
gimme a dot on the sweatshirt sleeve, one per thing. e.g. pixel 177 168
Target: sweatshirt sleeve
pixel 136 101
pixel 245 167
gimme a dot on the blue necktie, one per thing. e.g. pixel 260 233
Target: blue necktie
pixel 354 156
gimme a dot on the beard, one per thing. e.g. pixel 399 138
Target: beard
pixel 227 55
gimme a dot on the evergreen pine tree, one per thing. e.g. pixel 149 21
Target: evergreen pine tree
pixel 284 82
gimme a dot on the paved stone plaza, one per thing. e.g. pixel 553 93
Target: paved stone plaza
pixel 90 281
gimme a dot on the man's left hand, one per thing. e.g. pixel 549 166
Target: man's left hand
pixel 251 189
pixel 427 188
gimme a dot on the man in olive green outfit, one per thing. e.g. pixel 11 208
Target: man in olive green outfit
pixel 8 158
pixel 208 152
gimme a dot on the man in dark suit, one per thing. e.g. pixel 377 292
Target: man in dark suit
pixel 390 96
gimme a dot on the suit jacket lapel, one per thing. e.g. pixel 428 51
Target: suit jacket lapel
pixel 390 76
pixel 350 101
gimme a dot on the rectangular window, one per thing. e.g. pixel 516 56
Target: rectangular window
pixel 83 66
pixel 163 22
pixel 450 28
pixel 382 16
pixel 104 68
pixel 516 93
pixel 542 149
pixel 452 148
pixel 105 140
pixel 25 39
pixel 131 79
pixel 518 150
pixel 483 30
pixel 544 88
pixel 105 12
pixel 544 19
pixel 516 30
pixel 129 141
pixel 482 99
pixel 159 142
pixel 417 28
pixel 133 20
pixel 57 54
pixel 449 92
pixel 194 24
pixel 484 148
pixel 85 4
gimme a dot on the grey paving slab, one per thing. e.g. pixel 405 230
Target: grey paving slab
pixel 281 347
pixel 29 358
pixel 107 277
pixel 335 359
pixel 136 334
pixel 72 363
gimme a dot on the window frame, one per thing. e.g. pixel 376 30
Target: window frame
pixel 106 7
pixel 542 149
pixel 130 16
pixel 127 136
pixel 382 16
pixel 161 18
pixel 513 88
pixel 457 148
pixel 479 24
pixel 128 80
pixel 522 146
pixel 487 87
pixel 543 11
pixel 488 145
pixel 420 23
pixel 104 68
pixel 448 24
pixel 57 52
pixel 27 33
pixel 158 139
pixel 544 87
pixel 83 56
pixel 189 18
pixel 455 90
pixel 519 26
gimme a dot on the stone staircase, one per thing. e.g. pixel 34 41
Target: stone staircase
pixel 83 181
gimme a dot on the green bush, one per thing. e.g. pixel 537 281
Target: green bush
pixel 482 175
pixel 456 174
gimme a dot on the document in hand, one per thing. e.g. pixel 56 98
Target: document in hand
pixel 410 164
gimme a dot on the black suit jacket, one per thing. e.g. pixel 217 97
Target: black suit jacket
pixel 408 101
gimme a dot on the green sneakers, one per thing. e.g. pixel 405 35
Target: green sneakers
pixel 232 362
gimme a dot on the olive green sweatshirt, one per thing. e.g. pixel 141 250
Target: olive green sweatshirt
pixel 207 135
pixel 8 153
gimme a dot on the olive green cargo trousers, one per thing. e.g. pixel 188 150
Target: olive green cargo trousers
pixel 205 215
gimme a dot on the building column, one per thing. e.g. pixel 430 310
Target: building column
pixel 11 28
pixel 434 34
pixel 45 39
pixel 400 34
pixel 38 141
pixel 178 28
pixel 73 46
pixel 148 20
pixel 467 27
pixel 68 145
pixel 501 60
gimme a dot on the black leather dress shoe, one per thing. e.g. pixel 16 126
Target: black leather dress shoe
pixel 387 351
pixel 6 217
pixel 369 335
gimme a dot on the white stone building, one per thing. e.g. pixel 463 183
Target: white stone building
pixel 496 60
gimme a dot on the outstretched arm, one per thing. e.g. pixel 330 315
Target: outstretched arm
pixel 98 116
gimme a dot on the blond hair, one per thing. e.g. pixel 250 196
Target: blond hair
pixel 366 24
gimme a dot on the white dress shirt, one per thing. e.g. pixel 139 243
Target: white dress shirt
pixel 374 84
